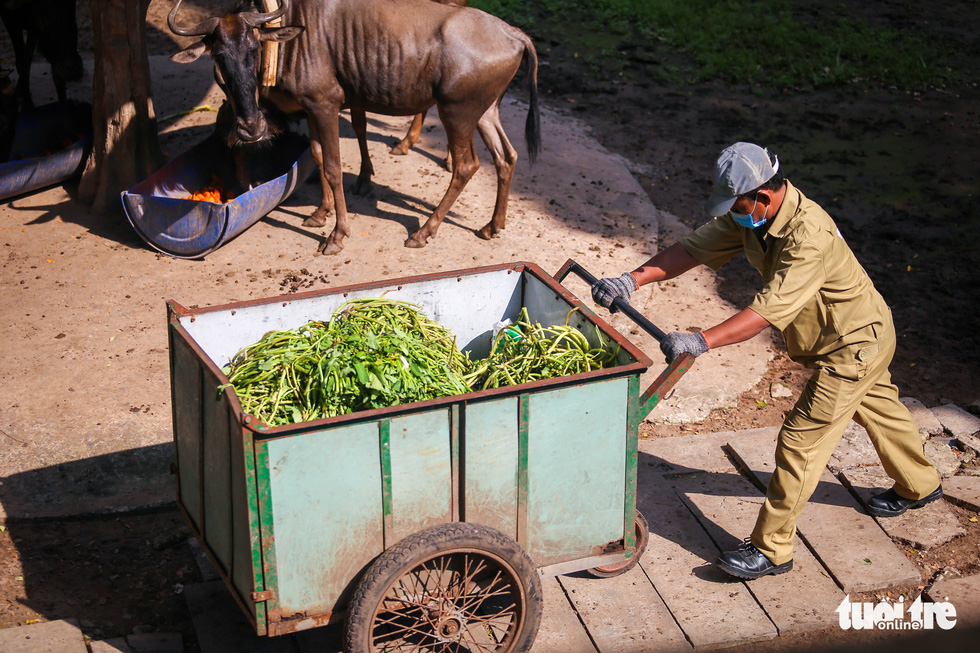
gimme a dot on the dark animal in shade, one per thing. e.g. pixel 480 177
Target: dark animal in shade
pixel 49 26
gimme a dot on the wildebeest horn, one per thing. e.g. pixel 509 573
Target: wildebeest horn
pixel 203 28
pixel 255 19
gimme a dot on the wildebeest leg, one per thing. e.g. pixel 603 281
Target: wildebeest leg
pixel 358 121
pixel 61 88
pixel 23 55
pixel 326 125
pixel 463 150
pixel 504 159
pixel 319 217
pixel 412 136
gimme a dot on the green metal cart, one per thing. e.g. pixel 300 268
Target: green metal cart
pixel 427 524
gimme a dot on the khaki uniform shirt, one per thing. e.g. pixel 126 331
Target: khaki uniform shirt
pixel 815 290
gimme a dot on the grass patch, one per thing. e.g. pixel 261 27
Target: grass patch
pixel 756 42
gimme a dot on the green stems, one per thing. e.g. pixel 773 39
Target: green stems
pixel 376 352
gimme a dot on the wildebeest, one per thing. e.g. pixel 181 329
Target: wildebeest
pixel 48 26
pixel 393 57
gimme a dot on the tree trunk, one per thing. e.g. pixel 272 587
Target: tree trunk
pixel 125 149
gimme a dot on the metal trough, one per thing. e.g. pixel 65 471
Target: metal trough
pixel 50 145
pixel 184 228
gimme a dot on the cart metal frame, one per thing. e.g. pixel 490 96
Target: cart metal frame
pixel 292 516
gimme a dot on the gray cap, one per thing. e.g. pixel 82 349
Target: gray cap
pixel 740 168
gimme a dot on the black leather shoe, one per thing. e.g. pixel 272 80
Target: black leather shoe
pixel 748 562
pixel 890 504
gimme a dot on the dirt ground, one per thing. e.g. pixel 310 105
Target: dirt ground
pixel 897 170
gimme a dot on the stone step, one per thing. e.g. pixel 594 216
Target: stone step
pixel 843 537
pixel 561 631
pixel 963 491
pixel 924 418
pixel 727 506
pixel 922 528
pixel 940 452
pixel 61 636
pixel 964 594
pixel 713 609
pixel 956 421
pixel 853 450
pixel 221 626
pixel 140 643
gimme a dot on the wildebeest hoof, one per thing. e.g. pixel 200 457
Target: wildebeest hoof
pixel 329 247
pixel 487 233
pixel 315 221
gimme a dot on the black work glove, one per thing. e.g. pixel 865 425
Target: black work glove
pixel 677 343
pixel 604 291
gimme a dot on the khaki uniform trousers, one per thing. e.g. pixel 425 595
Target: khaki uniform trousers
pixel 812 431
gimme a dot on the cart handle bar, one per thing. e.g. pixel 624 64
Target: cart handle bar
pixel 617 303
pixel 662 386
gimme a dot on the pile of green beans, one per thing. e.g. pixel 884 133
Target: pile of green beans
pixel 529 352
pixel 373 353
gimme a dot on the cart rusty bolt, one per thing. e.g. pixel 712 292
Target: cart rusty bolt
pixel 259 597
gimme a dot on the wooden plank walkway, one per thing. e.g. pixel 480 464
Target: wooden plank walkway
pixel 727 506
pixel 922 529
pixel 624 614
pixel 713 609
pixel 561 630
pixel 692 453
pixel 845 538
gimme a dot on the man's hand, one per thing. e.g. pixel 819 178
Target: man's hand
pixel 604 291
pixel 677 343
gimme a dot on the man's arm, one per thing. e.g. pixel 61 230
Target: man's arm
pixel 665 264
pixel 743 325
pixel 674 261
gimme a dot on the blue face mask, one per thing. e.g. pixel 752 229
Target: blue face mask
pixel 746 220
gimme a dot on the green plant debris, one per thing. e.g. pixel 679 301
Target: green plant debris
pixel 538 353
pixel 375 353
pixel 372 353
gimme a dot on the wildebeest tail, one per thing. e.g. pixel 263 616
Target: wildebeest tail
pixel 532 126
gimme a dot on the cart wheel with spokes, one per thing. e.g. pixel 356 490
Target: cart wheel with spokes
pixel 617 568
pixel 453 588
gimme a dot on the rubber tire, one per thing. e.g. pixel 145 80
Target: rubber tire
pixel 431 543
pixel 642 538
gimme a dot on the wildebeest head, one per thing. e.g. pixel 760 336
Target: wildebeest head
pixel 233 41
